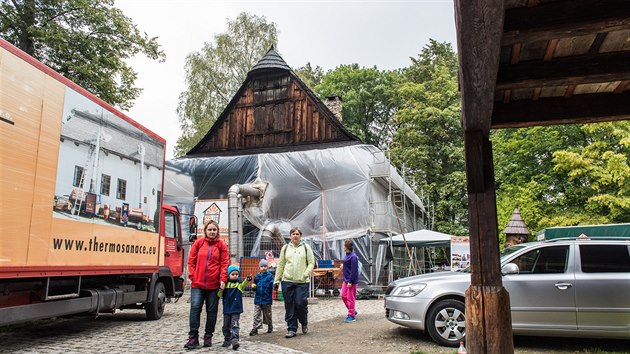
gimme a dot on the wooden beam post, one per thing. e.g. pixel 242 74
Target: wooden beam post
pixel 479 32
pixel 488 320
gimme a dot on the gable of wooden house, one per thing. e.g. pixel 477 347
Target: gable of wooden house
pixel 273 111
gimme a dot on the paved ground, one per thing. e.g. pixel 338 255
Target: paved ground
pixel 128 332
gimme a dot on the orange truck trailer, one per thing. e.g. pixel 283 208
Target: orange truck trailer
pixel 83 226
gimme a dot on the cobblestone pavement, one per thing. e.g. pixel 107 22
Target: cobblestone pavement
pixel 129 332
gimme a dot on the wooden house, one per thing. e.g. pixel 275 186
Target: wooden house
pixel 273 111
pixel 317 175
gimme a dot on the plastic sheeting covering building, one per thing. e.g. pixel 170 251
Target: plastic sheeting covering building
pixel 331 194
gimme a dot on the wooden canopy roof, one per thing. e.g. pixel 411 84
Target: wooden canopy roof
pixel 526 63
pixel 563 62
pixel 557 61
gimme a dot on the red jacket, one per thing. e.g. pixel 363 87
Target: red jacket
pixel 207 263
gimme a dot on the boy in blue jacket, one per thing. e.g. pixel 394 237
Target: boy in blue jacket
pixel 233 306
pixel 263 285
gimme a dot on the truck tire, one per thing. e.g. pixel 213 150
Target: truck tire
pixel 155 308
pixel 446 322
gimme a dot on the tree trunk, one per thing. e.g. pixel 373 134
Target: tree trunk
pixel 26 13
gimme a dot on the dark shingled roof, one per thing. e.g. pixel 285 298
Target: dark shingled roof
pixel 516 225
pixel 271 60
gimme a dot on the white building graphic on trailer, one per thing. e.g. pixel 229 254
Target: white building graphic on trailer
pixel 103 156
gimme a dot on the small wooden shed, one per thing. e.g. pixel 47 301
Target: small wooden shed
pixel 525 63
pixel 516 231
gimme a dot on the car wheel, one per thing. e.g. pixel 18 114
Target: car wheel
pixel 446 322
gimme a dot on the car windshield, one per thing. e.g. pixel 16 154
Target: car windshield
pixel 509 250
pixel 504 252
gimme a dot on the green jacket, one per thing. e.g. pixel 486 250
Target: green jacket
pixel 232 296
pixel 296 263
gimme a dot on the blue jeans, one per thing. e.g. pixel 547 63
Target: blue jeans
pixel 197 298
pixel 295 304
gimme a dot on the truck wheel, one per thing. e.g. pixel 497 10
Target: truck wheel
pixel 139 225
pixel 446 322
pixel 155 308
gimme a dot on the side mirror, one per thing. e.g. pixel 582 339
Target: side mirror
pixel 509 268
pixel 192 228
pixel 192 225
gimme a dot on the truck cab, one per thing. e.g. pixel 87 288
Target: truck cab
pixel 173 253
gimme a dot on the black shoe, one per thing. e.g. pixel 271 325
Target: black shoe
pixel 290 334
pixel 235 345
pixel 253 332
pixel 304 329
pixel 269 329
pixel 226 343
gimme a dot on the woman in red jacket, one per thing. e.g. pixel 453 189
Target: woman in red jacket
pixel 207 269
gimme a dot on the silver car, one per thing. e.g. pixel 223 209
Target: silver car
pixel 562 287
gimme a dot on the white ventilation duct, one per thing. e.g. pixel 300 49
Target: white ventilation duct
pixel 236 194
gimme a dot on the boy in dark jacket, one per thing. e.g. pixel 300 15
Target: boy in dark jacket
pixel 263 285
pixel 233 306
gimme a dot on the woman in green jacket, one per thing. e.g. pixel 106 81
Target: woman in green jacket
pixel 294 270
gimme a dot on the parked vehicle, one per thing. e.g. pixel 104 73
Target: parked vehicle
pixel 72 166
pixel 562 287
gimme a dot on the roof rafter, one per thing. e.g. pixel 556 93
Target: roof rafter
pixel 565 71
pixel 562 19
pixel 587 108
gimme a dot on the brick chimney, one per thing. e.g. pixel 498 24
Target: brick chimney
pixel 333 103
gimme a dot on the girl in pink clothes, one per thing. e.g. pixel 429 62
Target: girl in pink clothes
pixel 350 280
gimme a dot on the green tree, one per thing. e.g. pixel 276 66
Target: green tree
pixel 87 41
pixel 214 74
pixel 311 76
pixel 429 140
pixel 524 174
pixel 367 100
pixel 600 171
pixel 563 175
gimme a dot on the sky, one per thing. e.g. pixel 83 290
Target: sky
pixel 326 33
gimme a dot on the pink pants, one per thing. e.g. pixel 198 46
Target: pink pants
pixel 349 297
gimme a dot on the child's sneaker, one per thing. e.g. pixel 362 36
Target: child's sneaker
pixel 349 319
pixel 253 332
pixel 235 345
pixel 226 343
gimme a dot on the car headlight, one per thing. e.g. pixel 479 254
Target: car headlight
pixel 408 290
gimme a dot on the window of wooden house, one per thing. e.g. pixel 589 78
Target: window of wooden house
pixel 271 117
pixel 270 89
pixel 121 189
